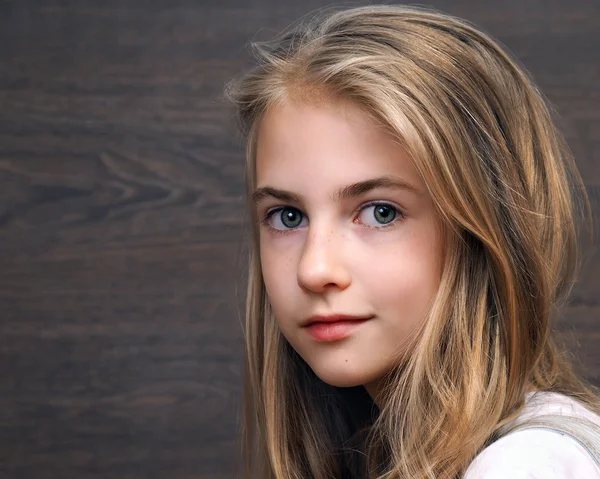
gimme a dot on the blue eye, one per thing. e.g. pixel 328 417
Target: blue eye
pixel 379 215
pixel 290 218
pixel 285 218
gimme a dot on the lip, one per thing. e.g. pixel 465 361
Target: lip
pixel 333 327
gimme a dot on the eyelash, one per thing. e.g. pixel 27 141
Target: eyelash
pixel 400 216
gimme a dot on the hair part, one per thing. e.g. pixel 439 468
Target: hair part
pixel 508 194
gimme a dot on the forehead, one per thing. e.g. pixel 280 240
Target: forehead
pixel 329 143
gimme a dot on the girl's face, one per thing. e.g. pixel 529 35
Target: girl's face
pixel 349 239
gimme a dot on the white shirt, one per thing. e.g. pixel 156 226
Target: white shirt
pixel 538 453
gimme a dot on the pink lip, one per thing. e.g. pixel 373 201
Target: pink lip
pixel 333 328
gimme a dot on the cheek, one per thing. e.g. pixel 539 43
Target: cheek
pixel 279 276
pixel 404 280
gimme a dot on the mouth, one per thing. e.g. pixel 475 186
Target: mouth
pixel 333 327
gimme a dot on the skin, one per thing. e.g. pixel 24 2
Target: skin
pixel 336 256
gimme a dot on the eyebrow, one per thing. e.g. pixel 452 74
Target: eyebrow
pixel 349 191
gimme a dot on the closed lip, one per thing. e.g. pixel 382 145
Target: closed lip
pixel 333 318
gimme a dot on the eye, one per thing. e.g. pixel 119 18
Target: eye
pixel 285 218
pixel 379 215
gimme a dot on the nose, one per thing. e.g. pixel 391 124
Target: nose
pixel 321 266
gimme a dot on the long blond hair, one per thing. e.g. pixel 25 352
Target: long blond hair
pixel 505 187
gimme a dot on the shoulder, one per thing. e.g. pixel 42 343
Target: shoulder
pixel 538 453
pixel 544 403
pixel 534 454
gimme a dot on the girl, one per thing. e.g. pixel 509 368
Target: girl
pixel 414 233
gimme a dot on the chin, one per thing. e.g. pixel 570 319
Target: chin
pixel 342 377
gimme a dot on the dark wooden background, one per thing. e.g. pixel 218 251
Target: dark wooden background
pixel 121 210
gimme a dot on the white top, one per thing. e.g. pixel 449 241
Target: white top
pixel 538 453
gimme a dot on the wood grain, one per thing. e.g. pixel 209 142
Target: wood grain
pixel 121 220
